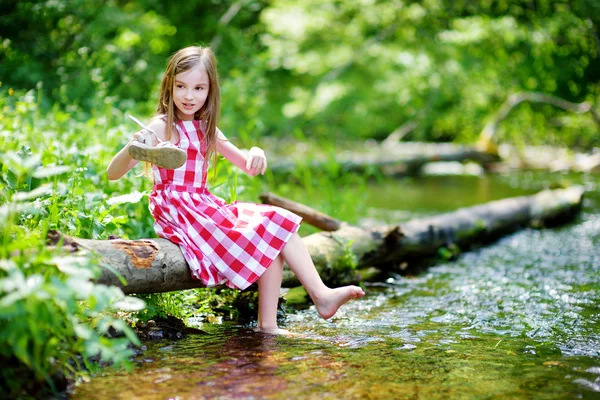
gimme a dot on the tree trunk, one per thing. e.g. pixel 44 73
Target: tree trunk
pixel 157 265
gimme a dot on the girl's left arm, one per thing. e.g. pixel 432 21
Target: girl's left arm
pixel 253 163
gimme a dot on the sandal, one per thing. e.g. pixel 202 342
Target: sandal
pixel 165 155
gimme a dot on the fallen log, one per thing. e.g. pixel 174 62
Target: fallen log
pixel 388 248
pixel 406 158
pixel 548 158
pixel 157 265
pixel 538 157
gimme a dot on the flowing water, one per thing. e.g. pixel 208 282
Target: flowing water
pixel 518 319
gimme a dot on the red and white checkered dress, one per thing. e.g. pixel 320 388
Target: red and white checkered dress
pixel 230 244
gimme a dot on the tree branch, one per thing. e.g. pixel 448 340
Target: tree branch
pixel 513 100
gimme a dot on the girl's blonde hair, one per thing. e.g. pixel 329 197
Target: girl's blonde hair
pixel 182 61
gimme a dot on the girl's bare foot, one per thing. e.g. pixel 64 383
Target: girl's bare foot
pixel 275 331
pixel 328 303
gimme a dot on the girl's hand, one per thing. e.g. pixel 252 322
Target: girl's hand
pixel 145 137
pixel 142 137
pixel 256 162
pixel 138 136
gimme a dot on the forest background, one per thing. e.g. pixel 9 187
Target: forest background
pixel 326 73
pixel 320 70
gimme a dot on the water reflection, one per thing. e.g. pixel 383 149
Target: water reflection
pixel 237 363
pixel 247 367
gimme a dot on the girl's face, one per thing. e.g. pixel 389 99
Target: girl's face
pixel 190 90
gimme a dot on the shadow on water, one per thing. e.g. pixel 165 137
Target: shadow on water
pixel 517 319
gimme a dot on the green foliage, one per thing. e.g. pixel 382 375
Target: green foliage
pixel 200 305
pixel 329 70
pixel 161 305
pixel 53 319
pixel 85 52
pixel 343 268
pixel 365 68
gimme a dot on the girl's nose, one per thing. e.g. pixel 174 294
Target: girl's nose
pixel 189 96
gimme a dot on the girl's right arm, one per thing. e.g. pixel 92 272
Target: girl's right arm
pixel 122 162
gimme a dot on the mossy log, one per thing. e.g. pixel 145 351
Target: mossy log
pixel 388 248
pixel 157 265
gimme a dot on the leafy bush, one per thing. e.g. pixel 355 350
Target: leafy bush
pixel 201 305
pixel 55 322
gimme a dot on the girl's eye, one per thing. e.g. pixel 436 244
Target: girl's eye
pixel 198 88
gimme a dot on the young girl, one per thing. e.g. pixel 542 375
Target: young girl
pixel 236 244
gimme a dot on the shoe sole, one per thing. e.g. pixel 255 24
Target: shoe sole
pixel 164 157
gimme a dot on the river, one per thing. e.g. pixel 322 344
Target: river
pixel 517 319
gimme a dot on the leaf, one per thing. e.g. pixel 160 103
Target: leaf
pixel 35 193
pixel 14 282
pixel 121 326
pixel 133 197
pixel 120 220
pixel 129 304
pixel 45 172
pixel 20 165
pixel 8 266
pixel 10 299
pixel 82 288
pixel 20 349
pixel 75 266
pixel 83 331
pixel 9 209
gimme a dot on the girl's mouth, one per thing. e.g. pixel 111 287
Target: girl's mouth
pixel 188 105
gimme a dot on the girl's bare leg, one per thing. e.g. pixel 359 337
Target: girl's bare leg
pixel 327 301
pixel 269 285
